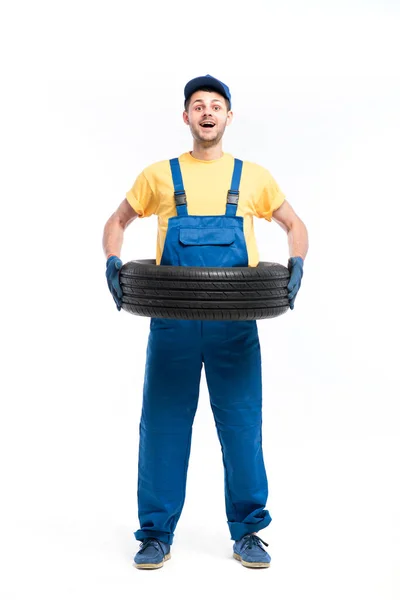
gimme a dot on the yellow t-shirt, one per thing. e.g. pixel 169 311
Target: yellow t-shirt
pixel 206 183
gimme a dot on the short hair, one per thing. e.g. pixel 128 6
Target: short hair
pixel 207 89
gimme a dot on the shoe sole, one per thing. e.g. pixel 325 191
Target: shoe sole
pixel 153 565
pixel 245 563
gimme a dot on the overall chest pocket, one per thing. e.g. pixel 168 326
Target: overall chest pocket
pixel 207 236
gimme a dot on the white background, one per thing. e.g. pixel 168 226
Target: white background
pixel 91 94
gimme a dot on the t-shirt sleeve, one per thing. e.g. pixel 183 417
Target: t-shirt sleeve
pixel 270 198
pixel 142 197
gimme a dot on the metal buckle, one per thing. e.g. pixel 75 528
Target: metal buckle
pixel 180 198
pixel 233 197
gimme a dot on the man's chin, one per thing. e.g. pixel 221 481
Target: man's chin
pixel 208 140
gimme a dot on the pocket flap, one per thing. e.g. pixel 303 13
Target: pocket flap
pixel 207 237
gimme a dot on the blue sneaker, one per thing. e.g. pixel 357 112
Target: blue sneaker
pixel 250 552
pixel 152 554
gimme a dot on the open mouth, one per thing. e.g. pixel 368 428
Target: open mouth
pixel 206 124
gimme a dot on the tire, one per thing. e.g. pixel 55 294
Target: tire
pixel 206 293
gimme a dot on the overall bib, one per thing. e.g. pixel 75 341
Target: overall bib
pixel 176 351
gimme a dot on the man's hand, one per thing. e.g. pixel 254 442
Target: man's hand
pixel 295 266
pixel 112 273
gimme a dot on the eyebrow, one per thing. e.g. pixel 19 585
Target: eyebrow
pixel 213 100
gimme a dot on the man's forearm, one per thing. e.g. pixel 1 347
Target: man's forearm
pixel 298 239
pixel 113 237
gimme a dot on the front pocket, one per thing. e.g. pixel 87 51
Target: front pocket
pixel 206 237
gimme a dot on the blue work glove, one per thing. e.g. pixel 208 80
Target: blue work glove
pixel 295 266
pixel 112 273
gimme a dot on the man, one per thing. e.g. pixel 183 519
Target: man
pixel 194 210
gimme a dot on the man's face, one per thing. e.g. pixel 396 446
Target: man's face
pixel 207 117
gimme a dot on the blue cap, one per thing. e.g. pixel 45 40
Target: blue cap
pixel 206 81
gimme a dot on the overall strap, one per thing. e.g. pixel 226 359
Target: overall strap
pixel 179 191
pixel 233 194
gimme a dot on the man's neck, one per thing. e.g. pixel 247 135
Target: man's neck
pixel 211 153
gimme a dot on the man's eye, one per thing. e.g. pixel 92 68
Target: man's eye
pixel 217 107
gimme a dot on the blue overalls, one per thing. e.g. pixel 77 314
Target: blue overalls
pixel 176 351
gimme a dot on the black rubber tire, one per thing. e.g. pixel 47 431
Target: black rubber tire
pixel 206 293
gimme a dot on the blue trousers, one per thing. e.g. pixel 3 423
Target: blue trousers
pixel 176 351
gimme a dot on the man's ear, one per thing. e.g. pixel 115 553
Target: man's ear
pixel 185 117
pixel 230 117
